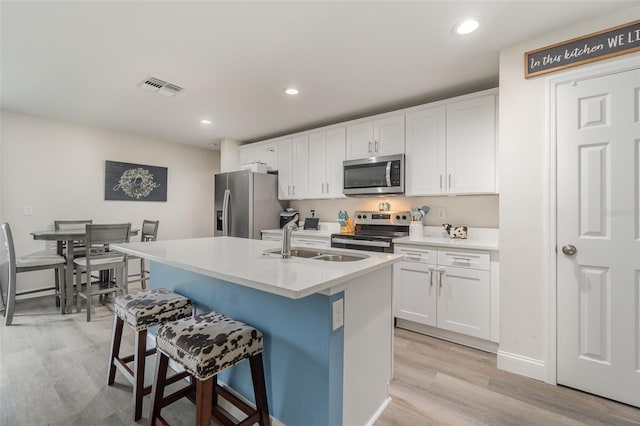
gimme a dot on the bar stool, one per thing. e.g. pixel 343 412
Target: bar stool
pixel 205 345
pixel 141 311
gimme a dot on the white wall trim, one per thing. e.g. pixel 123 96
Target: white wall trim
pixel 378 412
pixel 550 309
pixel 522 365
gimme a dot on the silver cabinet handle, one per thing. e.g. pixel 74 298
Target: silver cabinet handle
pixel 288 189
pixel 569 250
pixel 431 271
pixel 441 272
pixel 327 187
pixel 440 182
pixel 323 188
pixel 369 147
pixel 449 181
pixel 461 260
pixel 377 146
pixel 293 187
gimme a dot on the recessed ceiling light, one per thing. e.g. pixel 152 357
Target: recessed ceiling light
pixel 291 91
pixel 468 26
pixel 205 121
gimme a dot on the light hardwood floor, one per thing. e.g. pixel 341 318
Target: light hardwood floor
pixel 53 372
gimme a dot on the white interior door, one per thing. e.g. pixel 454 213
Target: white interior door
pixel 598 204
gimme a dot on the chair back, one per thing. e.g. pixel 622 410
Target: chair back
pixel 100 236
pixel 71 224
pixel 149 230
pixel 7 265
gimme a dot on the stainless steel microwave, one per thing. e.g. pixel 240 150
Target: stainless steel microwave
pixel 374 176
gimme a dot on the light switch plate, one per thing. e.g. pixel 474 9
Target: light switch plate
pixel 28 210
pixel 337 315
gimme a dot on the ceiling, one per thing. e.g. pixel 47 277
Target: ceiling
pixel 82 61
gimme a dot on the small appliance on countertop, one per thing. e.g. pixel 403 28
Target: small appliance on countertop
pixel 312 222
pixel 287 215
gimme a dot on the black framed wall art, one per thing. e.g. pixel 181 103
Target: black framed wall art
pixel 134 182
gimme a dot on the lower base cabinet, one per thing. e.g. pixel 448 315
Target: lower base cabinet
pixel 445 288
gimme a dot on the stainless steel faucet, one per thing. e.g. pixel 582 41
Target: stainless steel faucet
pixel 286 236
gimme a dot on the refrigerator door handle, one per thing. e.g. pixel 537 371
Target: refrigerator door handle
pixel 225 213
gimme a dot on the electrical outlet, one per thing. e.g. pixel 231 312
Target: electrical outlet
pixel 337 315
pixel 28 210
pixel 442 212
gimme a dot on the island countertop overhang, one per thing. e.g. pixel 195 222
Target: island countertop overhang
pixel 242 261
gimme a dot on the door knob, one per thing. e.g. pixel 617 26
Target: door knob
pixel 569 250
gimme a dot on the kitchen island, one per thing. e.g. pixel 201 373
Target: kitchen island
pixel 327 325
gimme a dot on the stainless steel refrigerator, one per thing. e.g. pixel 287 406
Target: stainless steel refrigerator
pixel 246 203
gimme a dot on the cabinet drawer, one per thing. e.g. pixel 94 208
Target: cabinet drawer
pixel 311 241
pixel 464 259
pixel 417 254
pixel 271 237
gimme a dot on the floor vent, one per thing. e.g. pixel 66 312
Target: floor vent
pixel 161 87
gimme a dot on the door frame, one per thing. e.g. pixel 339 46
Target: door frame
pixel 612 66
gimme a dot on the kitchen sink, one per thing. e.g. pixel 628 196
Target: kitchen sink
pixel 327 256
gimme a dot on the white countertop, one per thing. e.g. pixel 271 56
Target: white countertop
pixel 478 239
pixel 241 261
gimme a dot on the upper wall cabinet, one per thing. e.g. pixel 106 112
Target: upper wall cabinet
pixel 451 149
pixel 326 154
pixel 383 136
pixel 263 152
pixel 293 174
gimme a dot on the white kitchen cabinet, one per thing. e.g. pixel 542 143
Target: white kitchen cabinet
pixel 293 163
pixel 263 152
pixel 426 148
pixel 376 138
pixel 471 146
pixel 326 154
pixel 300 240
pixel 451 148
pixel 445 288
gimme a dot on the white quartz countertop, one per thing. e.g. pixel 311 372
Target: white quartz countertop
pixel 478 239
pixel 242 261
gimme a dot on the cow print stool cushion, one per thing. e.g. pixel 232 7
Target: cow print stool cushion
pixel 154 307
pixel 209 343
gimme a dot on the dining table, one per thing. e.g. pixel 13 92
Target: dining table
pixel 70 236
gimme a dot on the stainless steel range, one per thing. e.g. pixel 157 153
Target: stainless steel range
pixel 374 231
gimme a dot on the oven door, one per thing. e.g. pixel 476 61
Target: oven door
pixel 377 245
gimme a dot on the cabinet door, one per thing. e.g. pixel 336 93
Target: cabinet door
pixel 414 292
pixel 285 173
pixel 464 301
pixel 471 146
pixel 268 153
pixel 360 141
pixel 426 159
pixel 247 154
pixel 335 157
pixel 300 183
pixel 388 136
pixel 317 165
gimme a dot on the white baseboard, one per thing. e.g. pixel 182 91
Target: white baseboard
pixel 378 412
pixel 460 339
pixel 522 365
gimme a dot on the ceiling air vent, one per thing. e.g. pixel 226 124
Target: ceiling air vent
pixel 160 86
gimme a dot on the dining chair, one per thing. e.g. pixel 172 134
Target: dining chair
pixel 78 246
pixel 11 266
pixel 149 233
pixel 99 258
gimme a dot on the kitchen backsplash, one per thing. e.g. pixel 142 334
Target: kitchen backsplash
pixel 479 211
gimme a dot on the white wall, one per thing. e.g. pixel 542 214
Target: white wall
pixel 524 194
pixel 58 168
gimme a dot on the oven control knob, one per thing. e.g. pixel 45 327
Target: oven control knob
pixel 364 216
pixel 359 216
pixel 397 217
pixel 404 217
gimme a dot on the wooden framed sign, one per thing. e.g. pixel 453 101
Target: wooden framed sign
pixel 581 50
pixel 134 182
